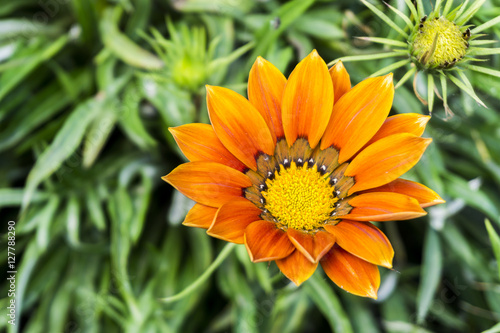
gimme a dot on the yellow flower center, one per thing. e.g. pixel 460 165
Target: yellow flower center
pixel 439 42
pixel 300 197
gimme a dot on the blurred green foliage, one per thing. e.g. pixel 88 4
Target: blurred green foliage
pixel 87 91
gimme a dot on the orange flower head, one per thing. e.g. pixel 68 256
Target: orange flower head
pixel 297 171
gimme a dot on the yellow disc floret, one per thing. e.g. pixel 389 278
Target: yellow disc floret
pixel 439 42
pixel 300 197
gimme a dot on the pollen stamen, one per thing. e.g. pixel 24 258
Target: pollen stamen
pixel 300 197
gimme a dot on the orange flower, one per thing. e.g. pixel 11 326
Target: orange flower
pixel 296 171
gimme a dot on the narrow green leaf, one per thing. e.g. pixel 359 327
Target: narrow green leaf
pixel 73 221
pixel 486 25
pixel 413 10
pixel 226 251
pixel 95 210
pixel 385 18
pixel 447 7
pixel 495 242
pixel 482 41
pixel 46 219
pixel 420 9
pixel 481 51
pixel 369 57
pixel 494 329
pixel 437 8
pixel 405 77
pixel 391 67
pixel 123 47
pixel 67 139
pixel 459 10
pixel 98 133
pixel 9 81
pixel 385 41
pixel 405 18
pixel 471 11
pixel 430 275
pixel 288 14
pixel 130 120
pixel 226 61
pixel 41 107
pixel 321 293
pixel 484 70
pixel 430 91
pixel 465 88
pixel 13 197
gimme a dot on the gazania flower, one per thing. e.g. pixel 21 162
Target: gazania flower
pixel 297 171
pixel 441 44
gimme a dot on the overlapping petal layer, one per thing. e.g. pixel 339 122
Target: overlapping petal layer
pixel 209 183
pixel 198 142
pixel 312 246
pixel 200 216
pixel 296 267
pixel 232 219
pixel 363 240
pixel 265 241
pixel 238 125
pixel 358 115
pixel 265 89
pixel 383 206
pixel 307 100
pixel 351 273
pixel 424 195
pixel 340 79
pixel 385 160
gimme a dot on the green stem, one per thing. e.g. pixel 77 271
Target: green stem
pixel 226 251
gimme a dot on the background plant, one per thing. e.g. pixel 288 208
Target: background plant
pixel 87 91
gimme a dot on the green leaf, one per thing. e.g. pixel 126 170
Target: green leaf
pixel 23 67
pixel 123 47
pixel 12 197
pixel 41 107
pixel 98 133
pixel 431 270
pixel 486 25
pixel 321 293
pixel 68 139
pixel 130 121
pixel 495 243
pixel 385 18
pixel 288 14
pixel 73 221
pixel 45 222
pixel 494 329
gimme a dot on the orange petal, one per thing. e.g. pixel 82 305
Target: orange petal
pixel 383 206
pixel 314 246
pixel 198 142
pixel 412 123
pixel 200 216
pixel 296 267
pixel 358 115
pixel 307 100
pixel 385 160
pixel 265 89
pixel 238 125
pixel 265 241
pixel 231 220
pixel 209 183
pixel 351 273
pixel 341 80
pixel 424 195
pixel 364 240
